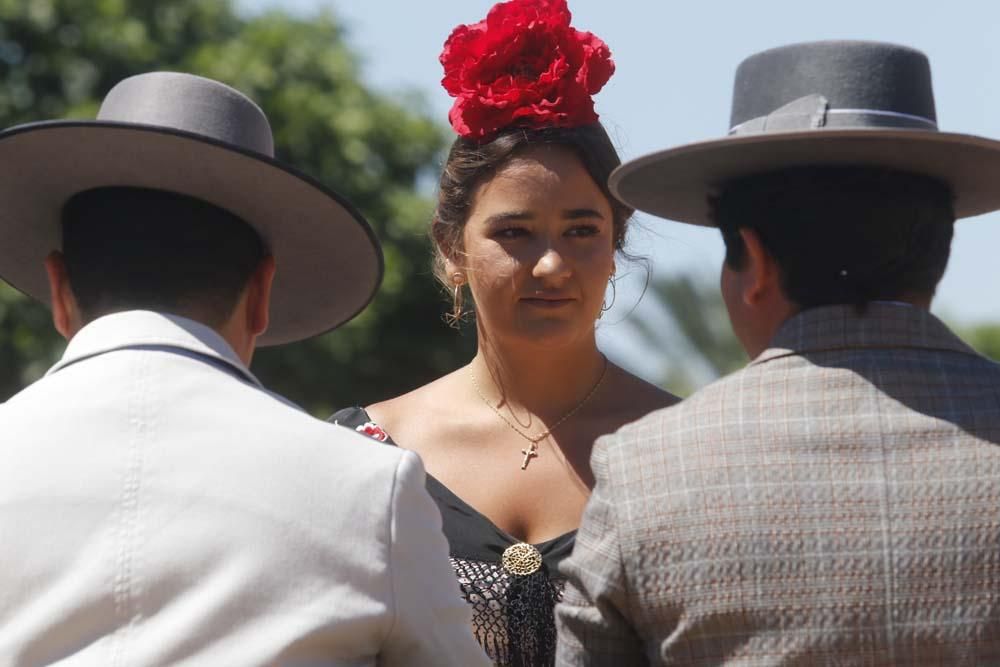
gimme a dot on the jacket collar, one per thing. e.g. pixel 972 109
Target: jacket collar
pixel 145 329
pixel 884 325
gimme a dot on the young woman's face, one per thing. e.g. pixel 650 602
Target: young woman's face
pixel 539 249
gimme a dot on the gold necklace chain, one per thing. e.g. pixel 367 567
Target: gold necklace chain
pixel 532 451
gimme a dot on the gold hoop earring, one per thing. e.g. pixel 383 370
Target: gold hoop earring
pixel 605 307
pixel 457 279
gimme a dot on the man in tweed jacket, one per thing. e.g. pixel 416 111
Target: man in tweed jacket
pixel 837 502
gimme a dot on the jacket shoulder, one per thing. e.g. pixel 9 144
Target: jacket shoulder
pixel 668 423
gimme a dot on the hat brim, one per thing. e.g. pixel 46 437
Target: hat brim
pixel 329 263
pixel 678 183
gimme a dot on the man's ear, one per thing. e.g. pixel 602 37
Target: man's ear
pixel 258 295
pixel 761 274
pixel 65 310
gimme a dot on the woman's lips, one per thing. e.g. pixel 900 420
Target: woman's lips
pixel 549 303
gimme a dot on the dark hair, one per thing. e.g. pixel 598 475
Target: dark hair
pixel 842 234
pixel 470 163
pixel 128 248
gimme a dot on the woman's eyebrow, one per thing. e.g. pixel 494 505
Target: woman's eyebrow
pixel 508 216
pixel 578 213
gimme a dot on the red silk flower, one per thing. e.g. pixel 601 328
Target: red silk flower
pixel 523 66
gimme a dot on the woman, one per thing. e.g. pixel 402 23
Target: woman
pixel 525 223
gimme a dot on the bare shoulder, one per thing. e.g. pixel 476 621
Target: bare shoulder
pixel 631 397
pixel 416 409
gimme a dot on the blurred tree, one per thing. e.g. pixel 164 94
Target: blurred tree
pixel 985 338
pixel 705 347
pixel 28 343
pixel 59 57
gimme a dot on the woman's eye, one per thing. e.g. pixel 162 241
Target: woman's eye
pixel 510 232
pixel 583 230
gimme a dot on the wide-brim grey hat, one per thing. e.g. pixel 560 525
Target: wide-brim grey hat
pixel 816 104
pixel 197 137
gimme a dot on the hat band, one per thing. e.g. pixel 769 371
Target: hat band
pixel 812 112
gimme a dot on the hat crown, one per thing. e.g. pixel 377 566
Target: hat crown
pixel 864 84
pixel 834 103
pixel 191 104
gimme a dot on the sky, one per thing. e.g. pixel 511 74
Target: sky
pixel 675 64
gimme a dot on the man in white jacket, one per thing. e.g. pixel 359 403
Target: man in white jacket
pixel 157 505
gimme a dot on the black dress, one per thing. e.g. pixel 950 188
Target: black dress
pixel 512 591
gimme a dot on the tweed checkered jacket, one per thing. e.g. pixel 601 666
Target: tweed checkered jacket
pixel 837 502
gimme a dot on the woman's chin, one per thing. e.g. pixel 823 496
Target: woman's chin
pixel 554 332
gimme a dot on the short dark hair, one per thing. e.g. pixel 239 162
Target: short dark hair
pixel 470 163
pixel 130 248
pixel 842 234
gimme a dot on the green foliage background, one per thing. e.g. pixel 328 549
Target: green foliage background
pixel 59 57
pixel 985 338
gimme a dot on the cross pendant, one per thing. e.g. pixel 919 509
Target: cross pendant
pixel 530 453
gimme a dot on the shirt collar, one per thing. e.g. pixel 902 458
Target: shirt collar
pixel 883 325
pixel 145 328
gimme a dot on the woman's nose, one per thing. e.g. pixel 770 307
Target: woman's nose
pixel 551 264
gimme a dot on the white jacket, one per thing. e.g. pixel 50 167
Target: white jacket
pixel 158 507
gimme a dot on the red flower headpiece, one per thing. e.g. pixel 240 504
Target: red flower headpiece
pixel 525 66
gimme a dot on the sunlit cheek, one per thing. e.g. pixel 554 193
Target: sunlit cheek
pixel 493 280
pixel 726 285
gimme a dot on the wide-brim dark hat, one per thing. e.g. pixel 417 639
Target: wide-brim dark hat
pixel 816 104
pixel 197 137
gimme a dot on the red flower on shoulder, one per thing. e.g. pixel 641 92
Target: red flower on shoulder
pixel 523 66
pixel 373 430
